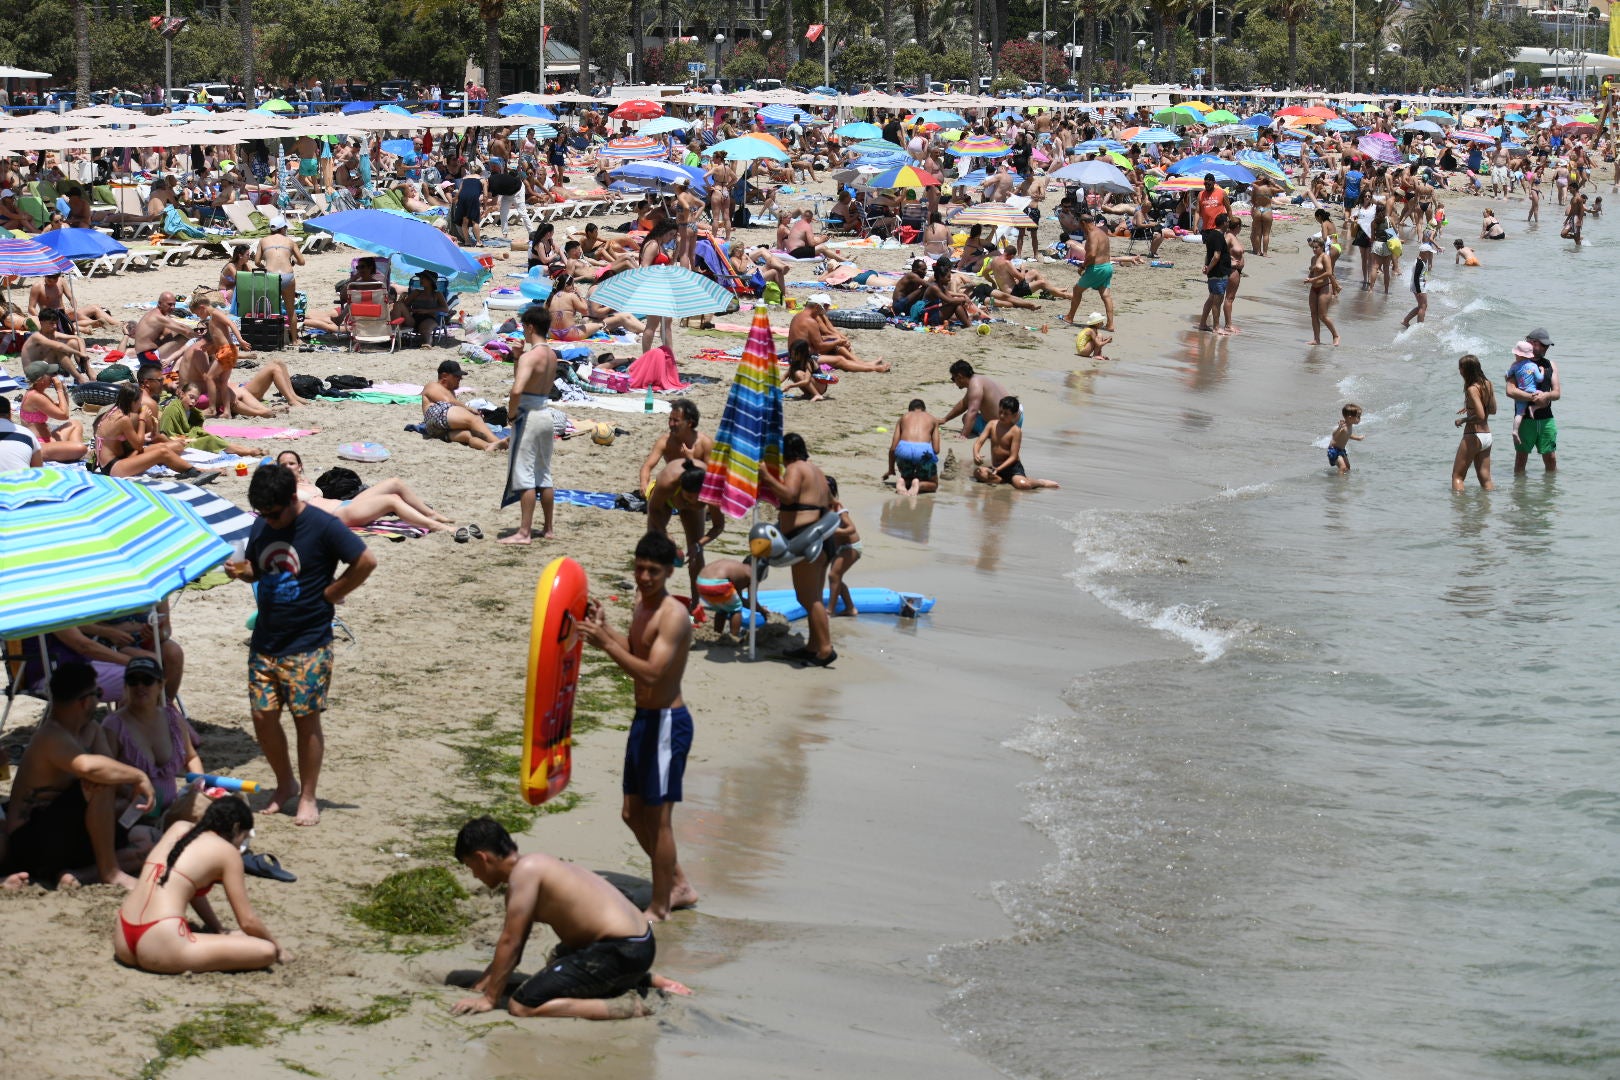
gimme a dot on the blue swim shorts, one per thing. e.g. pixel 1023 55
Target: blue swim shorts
pixel 655 754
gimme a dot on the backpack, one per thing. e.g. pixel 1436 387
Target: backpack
pixel 339 483
pixel 115 373
pixel 306 386
pixel 348 382
pixel 741 216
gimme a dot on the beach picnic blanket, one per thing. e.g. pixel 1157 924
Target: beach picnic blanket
pixel 598 500
pixel 392 528
pixel 628 403
pixel 255 431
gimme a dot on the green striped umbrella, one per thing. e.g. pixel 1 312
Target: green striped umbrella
pixel 77 546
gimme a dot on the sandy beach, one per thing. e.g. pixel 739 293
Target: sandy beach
pixel 840 825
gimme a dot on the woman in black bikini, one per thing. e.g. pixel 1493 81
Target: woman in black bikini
pixel 181 870
pixel 804 498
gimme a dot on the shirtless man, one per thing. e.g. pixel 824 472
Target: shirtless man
pixel 803 242
pixel 277 254
pixel 45 345
pixel 681 442
pixel 654 654
pixel 62 817
pixel 447 421
pixel 528 405
pixel 222 344
pixel 158 336
pixel 674 490
pixel 1098 271
pixel 998 186
pixel 1006 438
pixel 1019 282
pixel 86 318
pixel 813 327
pixel 914 450
pixel 604 949
pixel 12 216
pixel 979 395
pixel 721 180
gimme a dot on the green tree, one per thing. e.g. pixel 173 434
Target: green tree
pixel 321 39
pixel 856 61
pixel 244 17
pixel 806 72
pixel 746 64
pixel 913 61
pixel 1290 13
pixel 1007 80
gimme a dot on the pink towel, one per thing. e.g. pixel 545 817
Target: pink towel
pixel 253 431
pixel 655 368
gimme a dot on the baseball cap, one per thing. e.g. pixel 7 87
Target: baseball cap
pixel 1523 349
pixel 1540 337
pixel 278 223
pixel 450 367
pixel 39 369
pixel 142 667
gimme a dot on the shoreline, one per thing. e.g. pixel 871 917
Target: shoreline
pixel 762 943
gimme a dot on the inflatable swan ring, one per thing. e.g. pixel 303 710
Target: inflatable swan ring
pixel 767 544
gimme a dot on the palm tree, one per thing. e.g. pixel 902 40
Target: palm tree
pixel 1378 20
pixel 1290 13
pixel 1468 54
pixel 244 16
pixel 81 42
pixel 635 42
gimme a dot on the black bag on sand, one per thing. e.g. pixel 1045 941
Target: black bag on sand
pixel 348 382
pixel 633 501
pixel 741 216
pixel 265 333
pixel 339 483
pixel 307 386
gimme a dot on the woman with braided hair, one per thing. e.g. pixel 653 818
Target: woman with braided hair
pixel 186 864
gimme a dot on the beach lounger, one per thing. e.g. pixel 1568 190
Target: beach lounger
pixel 138 258
pixel 240 215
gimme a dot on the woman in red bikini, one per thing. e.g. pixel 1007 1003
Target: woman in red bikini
pixel 190 860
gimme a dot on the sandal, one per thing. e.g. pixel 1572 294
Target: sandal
pixel 822 662
pixel 462 536
pixel 268 866
pixel 475 532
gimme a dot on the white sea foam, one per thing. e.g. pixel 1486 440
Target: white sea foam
pixel 1245 491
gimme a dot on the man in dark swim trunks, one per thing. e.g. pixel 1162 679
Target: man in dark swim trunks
pixel 605 946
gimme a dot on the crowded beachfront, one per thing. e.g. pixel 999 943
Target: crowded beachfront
pixel 298 385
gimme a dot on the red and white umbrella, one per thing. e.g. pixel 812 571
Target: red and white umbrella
pixel 638 109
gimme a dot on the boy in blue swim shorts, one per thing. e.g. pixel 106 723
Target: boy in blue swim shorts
pixel 654 655
pixel 914 450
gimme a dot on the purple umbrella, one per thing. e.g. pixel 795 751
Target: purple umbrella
pixel 1380 150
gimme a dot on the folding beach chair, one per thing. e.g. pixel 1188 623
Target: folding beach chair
pixel 368 315
pixel 442 319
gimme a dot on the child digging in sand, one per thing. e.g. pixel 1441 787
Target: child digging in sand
pixel 1090 340
pixel 723 588
pixel 1006 442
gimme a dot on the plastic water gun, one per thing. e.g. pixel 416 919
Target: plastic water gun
pixel 228 783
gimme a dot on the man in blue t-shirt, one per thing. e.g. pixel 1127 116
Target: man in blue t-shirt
pixel 293 554
pixel 1352 189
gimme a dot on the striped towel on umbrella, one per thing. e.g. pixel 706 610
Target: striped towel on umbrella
pixel 750 433
pixel 228 521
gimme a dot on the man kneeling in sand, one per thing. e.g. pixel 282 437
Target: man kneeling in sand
pixel 605 946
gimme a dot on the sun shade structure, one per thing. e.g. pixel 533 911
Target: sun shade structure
pixel 672 291
pixel 410 245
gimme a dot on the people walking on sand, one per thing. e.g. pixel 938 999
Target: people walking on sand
pixel 1420 292
pixel 1217 272
pixel 654 655
pixel 1098 270
pixel 605 947
pixel 1006 438
pixel 1338 451
pixel 1323 289
pixel 293 554
pixel 1479 405
pixel 533 435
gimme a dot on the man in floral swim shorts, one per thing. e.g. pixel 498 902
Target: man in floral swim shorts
pixel 292 556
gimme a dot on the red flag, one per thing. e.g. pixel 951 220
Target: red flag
pixel 813 31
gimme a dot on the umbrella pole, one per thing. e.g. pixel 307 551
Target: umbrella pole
pixel 753 588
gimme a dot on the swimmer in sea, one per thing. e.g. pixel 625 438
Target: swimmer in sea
pixel 1465 254
pixel 1339 442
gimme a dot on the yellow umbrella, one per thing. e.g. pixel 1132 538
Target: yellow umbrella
pixel 1199 105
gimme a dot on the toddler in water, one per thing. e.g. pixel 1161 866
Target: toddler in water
pixel 1525 375
pixel 1338 446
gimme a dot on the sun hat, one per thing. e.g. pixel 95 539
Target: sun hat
pixel 1524 349
pixel 1096 318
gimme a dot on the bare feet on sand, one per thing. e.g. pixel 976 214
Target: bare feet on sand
pixel 14 882
pixel 308 813
pixel 519 538
pixel 281 798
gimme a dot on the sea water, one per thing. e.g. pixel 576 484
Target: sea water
pixel 1368 823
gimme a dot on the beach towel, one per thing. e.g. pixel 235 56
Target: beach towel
pixel 10 384
pixel 628 404
pixel 392 528
pixel 381 397
pixel 655 368
pixel 175 224
pixel 598 500
pixel 255 431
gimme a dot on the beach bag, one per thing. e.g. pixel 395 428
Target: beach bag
pixel 772 293
pixel 115 373
pixel 741 217
pixel 607 379
pixel 339 483
pixel 307 386
pixel 265 333
pixel 632 501
pixel 348 382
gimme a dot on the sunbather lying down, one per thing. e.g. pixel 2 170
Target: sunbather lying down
pixel 386 498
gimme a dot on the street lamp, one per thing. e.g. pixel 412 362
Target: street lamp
pixel 1043 46
pixel 719 49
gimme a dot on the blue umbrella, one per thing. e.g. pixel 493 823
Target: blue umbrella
pixel 358 107
pixel 858 130
pixel 1092 146
pixel 538 131
pixel 1513 117
pixel 397 110
pixel 664 125
pixel 404 148
pixel 1258 120
pixel 1291 149
pixel 655 175
pixel 1207 163
pixel 940 117
pixel 825 90
pixel 533 112
pixel 410 245
pixel 79 546
pixel 1155 135
pixel 979 176
pixel 1104 175
pixel 786 114
pixel 1340 125
pixel 743 148
pixel 1427 126
pixel 80 243
pixel 671 291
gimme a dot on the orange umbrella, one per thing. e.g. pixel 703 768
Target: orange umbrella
pixel 1128 132
pixel 1304 121
pixel 1322 111
pixel 1293 110
pixel 762 137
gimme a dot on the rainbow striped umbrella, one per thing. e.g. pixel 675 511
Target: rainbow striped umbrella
pixel 632 146
pixel 750 432
pixel 30 258
pixel 671 291
pixel 1180 183
pixel 997 214
pixel 903 177
pixel 78 546
pixel 980 146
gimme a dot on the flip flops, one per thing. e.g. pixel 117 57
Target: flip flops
pixel 475 532
pixel 267 866
pixel 469 532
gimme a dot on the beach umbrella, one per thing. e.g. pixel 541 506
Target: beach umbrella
pixel 940 117
pixel 1513 117
pixel 399 147
pixel 1381 150
pixel 276 105
pixel 878 160
pixel 999 215
pixel 1259 162
pixel 1294 110
pixel 1234 131
pixel 671 291
pixel 638 109
pixel 400 110
pixel 748 440
pixel 1428 126
pixel 1200 164
pixel 1303 121
pixel 1439 116
pixel 1381 136
pixel 1363 108
pixel 1340 125
pixel 1321 112
pixel 30 258
pixel 80 546
pixel 657 175
pixel 192 110
pixel 1258 120
pixel 530 110
pixel 748 147
pixel 1155 135
pixel 1177 115
pixel 979 176
pixel 632 146
pixel 409 244
pixel 858 130
pixel 980 146
pixel 1291 149
pixel 224 518
pixel 905 176
pixel 80 243
pixel 537 131
pixel 1095 175
pixel 1197 106
pixel 352 107
pixel 1091 146
pixel 1220 116
pixel 786 114
pixel 664 125
pixel 1479 137
pixel 1179 183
